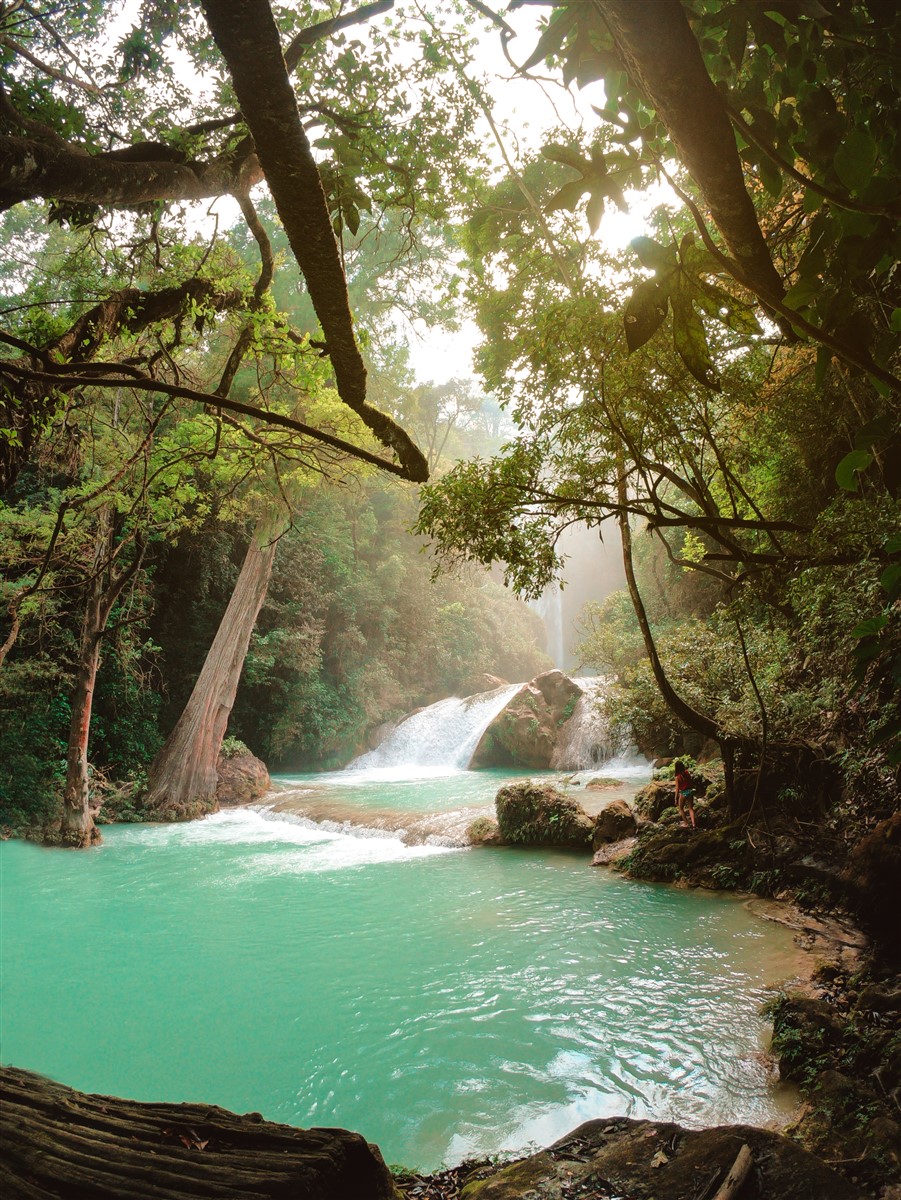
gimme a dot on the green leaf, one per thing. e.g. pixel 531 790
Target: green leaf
pixel 855 160
pixel 565 155
pixel 846 471
pixel 870 626
pixel 893 545
pixel 654 256
pixel 552 37
pixel 890 580
pixel 644 313
pixel 824 358
pixel 594 210
pixel 689 338
pixel 874 431
pixel 568 196
pixel 801 293
pixel 896 320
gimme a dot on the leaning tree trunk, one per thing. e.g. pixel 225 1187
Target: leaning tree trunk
pixel 680 707
pixel 182 782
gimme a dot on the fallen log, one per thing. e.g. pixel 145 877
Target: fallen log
pixel 62 1144
pixel 738 1173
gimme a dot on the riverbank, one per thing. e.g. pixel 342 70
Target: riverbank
pixel 60 1143
pixel 837 1028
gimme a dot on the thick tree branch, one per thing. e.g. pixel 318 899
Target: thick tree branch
pixel 69 382
pixel 249 41
pixel 323 29
pixel 130 310
pixel 31 169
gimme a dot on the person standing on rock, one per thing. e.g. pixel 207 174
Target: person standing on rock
pixel 685 792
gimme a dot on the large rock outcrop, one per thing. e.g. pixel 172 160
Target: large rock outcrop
pixel 652 1160
pixel 538 814
pixel 241 778
pixel 525 733
pixel 60 1144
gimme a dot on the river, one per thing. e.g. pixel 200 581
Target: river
pixel 354 969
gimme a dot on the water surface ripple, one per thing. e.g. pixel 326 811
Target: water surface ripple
pixel 442 1002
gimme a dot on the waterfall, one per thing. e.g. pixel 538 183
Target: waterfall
pixel 549 607
pixel 444 735
pixel 587 740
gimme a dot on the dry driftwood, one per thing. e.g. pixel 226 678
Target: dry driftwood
pixel 60 1143
pixel 737 1175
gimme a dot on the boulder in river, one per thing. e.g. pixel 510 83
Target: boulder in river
pixel 538 814
pixel 613 823
pixel 525 732
pixel 241 779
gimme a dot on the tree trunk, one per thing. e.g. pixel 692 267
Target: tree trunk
pixel 77 826
pixel 695 720
pixel 182 782
pixel 664 59
pixel 59 1144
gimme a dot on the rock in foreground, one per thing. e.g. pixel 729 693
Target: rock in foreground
pixel 649 1160
pixel 62 1144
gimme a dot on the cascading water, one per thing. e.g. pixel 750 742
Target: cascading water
pixel 444 735
pixel 587 740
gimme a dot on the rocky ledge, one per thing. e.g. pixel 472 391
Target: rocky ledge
pixel 651 1160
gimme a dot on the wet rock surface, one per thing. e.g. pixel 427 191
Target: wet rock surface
pixel 613 823
pixel 613 852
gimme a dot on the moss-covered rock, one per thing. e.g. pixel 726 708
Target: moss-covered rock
pixel 484 832
pixel 538 814
pixel 613 823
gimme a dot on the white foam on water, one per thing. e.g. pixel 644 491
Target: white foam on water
pixel 353 776
pixel 308 846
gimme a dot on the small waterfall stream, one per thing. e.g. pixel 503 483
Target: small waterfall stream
pixel 444 735
pixel 586 740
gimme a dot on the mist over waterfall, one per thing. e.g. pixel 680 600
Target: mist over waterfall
pixel 443 735
pixel 593 569
pixel 549 607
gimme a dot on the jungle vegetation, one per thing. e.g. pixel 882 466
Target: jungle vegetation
pixel 180 412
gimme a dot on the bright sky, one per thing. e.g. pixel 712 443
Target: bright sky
pixel 525 109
